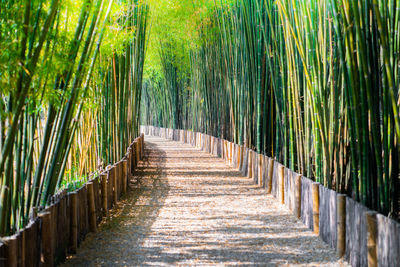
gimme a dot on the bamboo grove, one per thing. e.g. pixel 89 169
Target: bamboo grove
pixel 315 84
pixel 70 74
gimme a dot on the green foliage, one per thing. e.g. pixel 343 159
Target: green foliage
pixel 314 84
pixel 178 24
pixel 49 101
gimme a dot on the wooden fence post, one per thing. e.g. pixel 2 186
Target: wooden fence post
pixel 281 174
pixel 230 153
pixel 128 162
pixel 226 156
pixel 137 149
pixel 53 226
pixel 270 174
pixel 134 160
pixel 74 222
pixel 260 162
pixel 250 165
pixel 11 251
pixel 297 196
pixel 315 198
pixel 239 157
pixel 371 239
pixel 142 147
pixel 92 208
pixel 104 194
pixel 124 176
pixel 47 253
pixel 341 224
pixel 115 182
pixel 31 243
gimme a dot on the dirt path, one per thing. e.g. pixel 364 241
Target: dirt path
pixel 188 208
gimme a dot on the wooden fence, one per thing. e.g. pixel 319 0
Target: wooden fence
pixel 59 229
pixel 362 236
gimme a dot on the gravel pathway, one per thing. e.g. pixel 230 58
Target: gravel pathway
pixel 187 207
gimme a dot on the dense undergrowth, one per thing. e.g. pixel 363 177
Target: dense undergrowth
pixel 315 84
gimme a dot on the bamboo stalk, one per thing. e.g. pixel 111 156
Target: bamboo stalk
pixel 300 82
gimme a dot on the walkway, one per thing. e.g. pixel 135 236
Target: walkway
pixel 188 208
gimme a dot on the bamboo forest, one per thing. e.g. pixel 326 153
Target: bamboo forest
pixel 313 85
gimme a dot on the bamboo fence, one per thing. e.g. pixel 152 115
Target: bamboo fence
pixel 58 230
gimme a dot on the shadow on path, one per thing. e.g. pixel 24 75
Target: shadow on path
pixel 187 207
pixel 120 236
